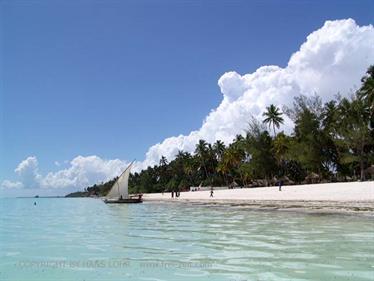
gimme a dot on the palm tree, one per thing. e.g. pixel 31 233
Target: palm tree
pixel 232 158
pixel 219 149
pixel 280 147
pixel 367 89
pixel 162 171
pixel 163 161
pixel 329 117
pixel 366 92
pixel 273 117
pixel 202 151
pixel 188 166
pixel 354 132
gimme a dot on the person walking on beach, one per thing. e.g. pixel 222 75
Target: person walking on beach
pixel 177 193
pixel 280 184
pixel 172 194
pixel 211 192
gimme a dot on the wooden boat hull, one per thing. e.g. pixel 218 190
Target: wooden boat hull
pixel 124 201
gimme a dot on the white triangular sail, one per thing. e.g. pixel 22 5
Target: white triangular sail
pixel 121 186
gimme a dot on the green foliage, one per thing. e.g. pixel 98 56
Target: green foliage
pixel 366 93
pixel 356 135
pixel 259 148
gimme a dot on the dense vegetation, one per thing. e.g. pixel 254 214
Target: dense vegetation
pixel 96 190
pixel 330 142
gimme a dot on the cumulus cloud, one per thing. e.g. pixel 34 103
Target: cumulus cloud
pixel 28 173
pixel 330 61
pixel 81 172
pixel 84 171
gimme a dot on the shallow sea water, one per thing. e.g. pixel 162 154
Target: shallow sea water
pixel 85 239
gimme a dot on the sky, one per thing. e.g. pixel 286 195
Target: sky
pixel 87 86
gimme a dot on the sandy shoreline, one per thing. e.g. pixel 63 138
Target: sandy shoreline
pixel 352 197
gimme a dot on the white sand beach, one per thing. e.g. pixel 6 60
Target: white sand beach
pixel 349 196
pixel 347 191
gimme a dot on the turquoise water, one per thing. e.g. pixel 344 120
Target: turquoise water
pixel 84 239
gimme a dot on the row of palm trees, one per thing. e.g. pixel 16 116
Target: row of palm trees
pixel 333 141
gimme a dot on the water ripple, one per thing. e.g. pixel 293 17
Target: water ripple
pixel 174 241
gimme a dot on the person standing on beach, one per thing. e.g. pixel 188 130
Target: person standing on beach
pixel 172 194
pixel 280 185
pixel 211 192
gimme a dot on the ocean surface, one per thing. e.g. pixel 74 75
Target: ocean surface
pixel 85 239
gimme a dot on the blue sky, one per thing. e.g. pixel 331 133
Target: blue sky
pixel 112 78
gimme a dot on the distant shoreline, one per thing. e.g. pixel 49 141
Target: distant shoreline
pixel 343 197
pixel 36 197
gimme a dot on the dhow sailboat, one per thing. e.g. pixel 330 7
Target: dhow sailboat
pixel 119 193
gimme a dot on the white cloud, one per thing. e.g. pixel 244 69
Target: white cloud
pixel 28 172
pixel 7 184
pixel 82 172
pixel 331 60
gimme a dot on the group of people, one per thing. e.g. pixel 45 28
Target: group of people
pixel 176 193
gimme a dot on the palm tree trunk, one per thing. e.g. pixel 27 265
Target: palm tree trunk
pixel 362 174
pixel 362 164
pixel 241 176
pixel 225 178
pixel 206 172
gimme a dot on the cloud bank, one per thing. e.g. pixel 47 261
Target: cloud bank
pixel 331 60
pixel 81 172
